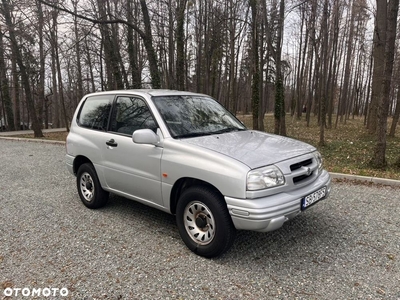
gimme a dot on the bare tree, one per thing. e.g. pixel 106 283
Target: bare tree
pixel 232 50
pixel 41 92
pixel 344 98
pixel 396 114
pixel 323 73
pixel 313 49
pixel 4 88
pixel 56 112
pixel 390 25
pixel 379 59
pixel 79 77
pixel 132 48
pixel 6 11
pixel 146 36
pixel 15 93
pixel 180 44
pixel 255 86
pixel 280 124
pixel 297 106
pixel 57 66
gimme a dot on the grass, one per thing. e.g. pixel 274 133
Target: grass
pixel 348 148
pixel 54 136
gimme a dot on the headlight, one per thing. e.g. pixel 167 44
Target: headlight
pixel 264 178
pixel 318 159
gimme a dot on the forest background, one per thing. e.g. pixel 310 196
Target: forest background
pixel 334 60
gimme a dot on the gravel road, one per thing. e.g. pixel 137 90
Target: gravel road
pixel 347 247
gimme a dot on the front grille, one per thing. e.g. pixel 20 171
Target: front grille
pixel 300 178
pixel 298 165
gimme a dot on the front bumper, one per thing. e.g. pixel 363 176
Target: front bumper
pixel 69 161
pixel 269 213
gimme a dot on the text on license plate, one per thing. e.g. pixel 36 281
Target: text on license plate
pixel 312 198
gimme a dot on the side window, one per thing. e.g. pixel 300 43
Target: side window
pixel 131 114
pixel 95 112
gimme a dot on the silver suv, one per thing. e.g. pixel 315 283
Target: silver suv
pixel 185 154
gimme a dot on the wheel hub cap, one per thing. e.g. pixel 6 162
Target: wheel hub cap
pixel 199 222
pixel 87 187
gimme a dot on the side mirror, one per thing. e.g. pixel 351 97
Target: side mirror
pixel 145 136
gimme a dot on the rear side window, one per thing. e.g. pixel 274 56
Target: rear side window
pixel 95 112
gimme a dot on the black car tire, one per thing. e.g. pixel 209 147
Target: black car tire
pixel 204 222
pixel 89 188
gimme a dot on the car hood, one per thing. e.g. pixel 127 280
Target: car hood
pixel 253 148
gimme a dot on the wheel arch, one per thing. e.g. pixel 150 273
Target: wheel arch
pixel 183 184
pixel 80 160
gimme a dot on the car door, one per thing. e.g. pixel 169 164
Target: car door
pixel 132 169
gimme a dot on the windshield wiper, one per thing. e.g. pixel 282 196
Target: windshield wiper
pixel 197 134
pixel 229 129
pixel 192 134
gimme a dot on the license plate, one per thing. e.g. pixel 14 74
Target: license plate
pixel 312 198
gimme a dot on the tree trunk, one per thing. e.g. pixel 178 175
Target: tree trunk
pixel 132 50
pixel 119 68
pixel 313 48
pixel 323 80
pixel 58 70
pixel 42 61
pixel 114 76
pixel 379 158
pixel 232 56
pixel 56 117
pixel 260 68
pixel 379 62
pixel 24 75
pixel 396 115
pixel 90 66
pixel 5 88
pixel 15 94
pixel 280 124
pixel 333 65
pixel 255 86
pixel 344 99
pixel 79 81
pixel 300 69
pixel 148 43
pixel 180 44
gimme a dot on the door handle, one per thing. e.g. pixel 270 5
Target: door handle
pixel 111 143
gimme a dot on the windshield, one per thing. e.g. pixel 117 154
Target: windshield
pixel 190 116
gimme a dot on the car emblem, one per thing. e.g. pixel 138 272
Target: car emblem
pixel 308 171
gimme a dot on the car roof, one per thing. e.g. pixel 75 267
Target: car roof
pixel 148 92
